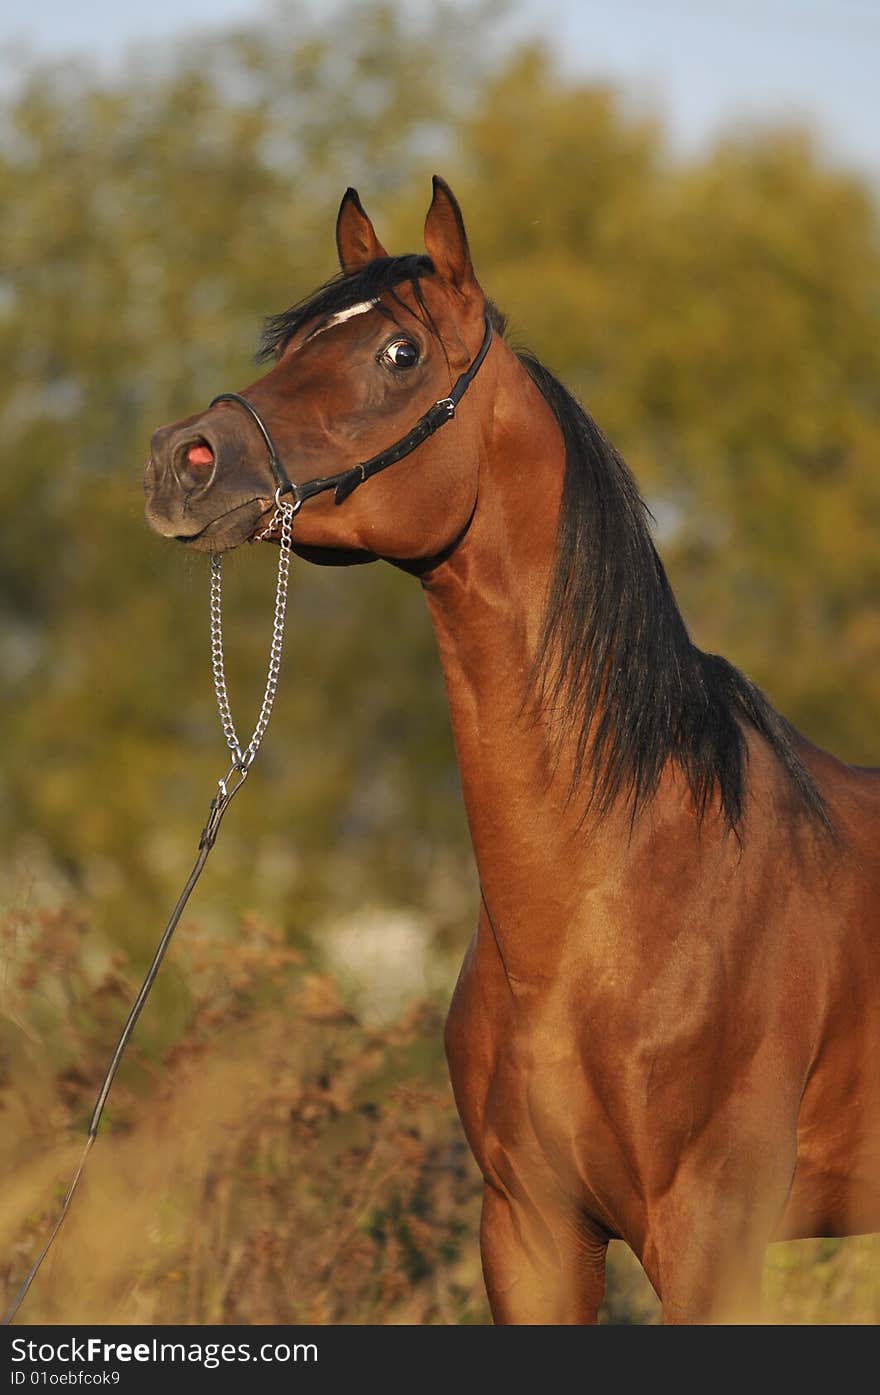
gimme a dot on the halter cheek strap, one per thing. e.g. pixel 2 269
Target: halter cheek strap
pixel 347 481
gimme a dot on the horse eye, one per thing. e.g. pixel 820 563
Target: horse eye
pixel 401 354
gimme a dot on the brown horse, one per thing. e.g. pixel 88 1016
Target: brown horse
pixel 667 1025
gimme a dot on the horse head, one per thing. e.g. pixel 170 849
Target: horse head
pixel 374 358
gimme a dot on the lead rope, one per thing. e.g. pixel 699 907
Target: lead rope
pixel 227 788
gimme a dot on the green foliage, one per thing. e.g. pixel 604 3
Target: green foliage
pixel 718 317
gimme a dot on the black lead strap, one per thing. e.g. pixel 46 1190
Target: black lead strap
pixel 219 805
pixel 347 481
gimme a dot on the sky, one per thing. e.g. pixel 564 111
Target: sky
pixel 704 64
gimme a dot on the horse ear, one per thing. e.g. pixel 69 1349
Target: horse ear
pixel 356 240
pixel 446 240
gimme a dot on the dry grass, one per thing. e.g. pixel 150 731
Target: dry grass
pixel 278 1163
pixel 275 1162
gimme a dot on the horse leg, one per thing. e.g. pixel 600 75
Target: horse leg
pixel 708 1274
pixel 704 1252
pixel 539 1267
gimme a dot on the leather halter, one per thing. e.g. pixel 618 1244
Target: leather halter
pixel 348 480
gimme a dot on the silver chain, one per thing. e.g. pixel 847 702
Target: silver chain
pixel 227 789
pixel 243 757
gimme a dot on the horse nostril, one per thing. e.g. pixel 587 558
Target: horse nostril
pixel 195 462
pixel 199 456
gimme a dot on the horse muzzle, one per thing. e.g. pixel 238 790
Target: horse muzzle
pixel 201 489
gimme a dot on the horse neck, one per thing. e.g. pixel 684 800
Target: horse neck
pixel 487 606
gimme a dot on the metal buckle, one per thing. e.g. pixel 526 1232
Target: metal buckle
pixel 448 403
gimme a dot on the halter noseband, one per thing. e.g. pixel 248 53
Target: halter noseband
pixel 348 480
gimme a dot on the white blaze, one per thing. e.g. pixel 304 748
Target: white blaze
pixel 360 309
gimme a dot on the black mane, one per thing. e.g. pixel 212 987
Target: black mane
pixel 614 643
pixel 341 292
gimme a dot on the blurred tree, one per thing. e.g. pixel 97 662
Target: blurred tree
pixel 719 318
pixel 148 226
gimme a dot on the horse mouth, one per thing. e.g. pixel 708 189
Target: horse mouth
pixel 242 523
